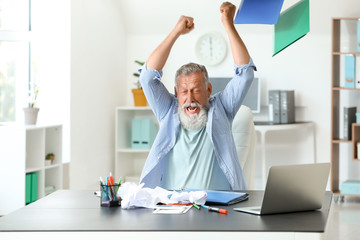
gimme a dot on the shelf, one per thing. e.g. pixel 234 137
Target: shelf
pixel 130 150
pixel 344 42
pixel 341 141
pixel 343 88
pixel 31 170
pixel 53 166
pixel 346 18
pixel 346 53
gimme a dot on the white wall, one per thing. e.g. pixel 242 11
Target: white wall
pixel 107 36
pixel 304 67
pixel 97 66
pixel 50 50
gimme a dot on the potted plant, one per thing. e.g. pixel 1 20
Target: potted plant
pixel 49 159
pixel 31 111
pixel 138 93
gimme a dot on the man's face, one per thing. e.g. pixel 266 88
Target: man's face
pixel 192 89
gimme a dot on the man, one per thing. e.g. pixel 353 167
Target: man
pixel 194 148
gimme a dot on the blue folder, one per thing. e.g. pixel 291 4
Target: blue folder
pixel 221 197
pixel 259 12
pixel 225 198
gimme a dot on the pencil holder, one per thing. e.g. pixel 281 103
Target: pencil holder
pixel 108 195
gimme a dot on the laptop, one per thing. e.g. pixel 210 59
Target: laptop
pixel 293 188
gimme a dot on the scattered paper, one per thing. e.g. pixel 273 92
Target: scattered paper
pixel 134 195
pixel 172 210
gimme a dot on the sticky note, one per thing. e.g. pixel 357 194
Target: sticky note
pixel 292 25
pixel 259 12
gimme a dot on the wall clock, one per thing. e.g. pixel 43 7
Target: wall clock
pixel 211 49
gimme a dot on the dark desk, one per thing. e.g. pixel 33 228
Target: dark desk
pixel 80 211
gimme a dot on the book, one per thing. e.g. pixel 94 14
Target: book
pixel 225 197
pixel 349 119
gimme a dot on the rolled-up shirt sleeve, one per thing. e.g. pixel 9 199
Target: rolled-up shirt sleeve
pixel 156 93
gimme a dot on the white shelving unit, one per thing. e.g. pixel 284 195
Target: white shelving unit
pixel 129 162
pixel 22 151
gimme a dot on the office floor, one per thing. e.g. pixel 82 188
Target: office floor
pixel 345 220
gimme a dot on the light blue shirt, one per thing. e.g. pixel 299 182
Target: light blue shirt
pixel 223 108
pixel 192 163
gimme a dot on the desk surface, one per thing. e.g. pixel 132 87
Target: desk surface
pixel 72 210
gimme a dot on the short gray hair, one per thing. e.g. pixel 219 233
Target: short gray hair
pixel 192 68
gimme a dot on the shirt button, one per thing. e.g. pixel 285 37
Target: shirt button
pixel 158 157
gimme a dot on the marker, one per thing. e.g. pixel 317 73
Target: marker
pixel 212 209
pixel 196 206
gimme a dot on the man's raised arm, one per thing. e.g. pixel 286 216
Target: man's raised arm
pixel 159 56
pixel 238 48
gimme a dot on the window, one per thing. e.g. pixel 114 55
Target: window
pixel 14 57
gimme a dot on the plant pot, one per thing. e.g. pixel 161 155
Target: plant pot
pixel 31 115
pixel 139 97
pixel 48 162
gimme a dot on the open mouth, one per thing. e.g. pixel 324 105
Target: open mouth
pixel 192 110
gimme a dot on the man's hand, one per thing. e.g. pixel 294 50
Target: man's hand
pixel 227 11
pixel 184 25
pixel 160 55
pixel 238 48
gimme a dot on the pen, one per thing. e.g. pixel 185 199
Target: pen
pixel 196 206
pixel 213 209
pixel 117 187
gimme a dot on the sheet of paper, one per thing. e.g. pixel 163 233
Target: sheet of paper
pixel 259 12
pixel 292 25
pixel 172 209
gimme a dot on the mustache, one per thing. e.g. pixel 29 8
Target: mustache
pixel 191 105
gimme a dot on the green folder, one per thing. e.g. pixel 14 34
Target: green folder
pixel 34 187
pixel 28 188
pixel 292 25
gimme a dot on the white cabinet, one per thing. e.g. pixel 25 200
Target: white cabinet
pixel 22 151
pixel 129 162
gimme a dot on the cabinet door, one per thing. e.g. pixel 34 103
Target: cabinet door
pixel 12 169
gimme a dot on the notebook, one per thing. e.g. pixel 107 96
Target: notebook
pixel 293 188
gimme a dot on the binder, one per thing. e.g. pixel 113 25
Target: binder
pixel 349 71
pixel 274 106
pixel 358 37
pixel 221 197
pixel 225 198
pixel 136 133
pixel 28 188
pixel 349 119
pixel 143 133
pixel 34 187
pixel 287 106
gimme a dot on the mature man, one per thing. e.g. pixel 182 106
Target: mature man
pixel 194 147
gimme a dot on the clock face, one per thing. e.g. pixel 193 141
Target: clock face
pixel 211 49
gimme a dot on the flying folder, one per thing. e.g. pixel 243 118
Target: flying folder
pixel 292 25
pixel 259 12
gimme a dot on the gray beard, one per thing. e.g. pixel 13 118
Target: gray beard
pixel 194 121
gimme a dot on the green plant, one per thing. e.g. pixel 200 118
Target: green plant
pixel 50 156
pixel 137 83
